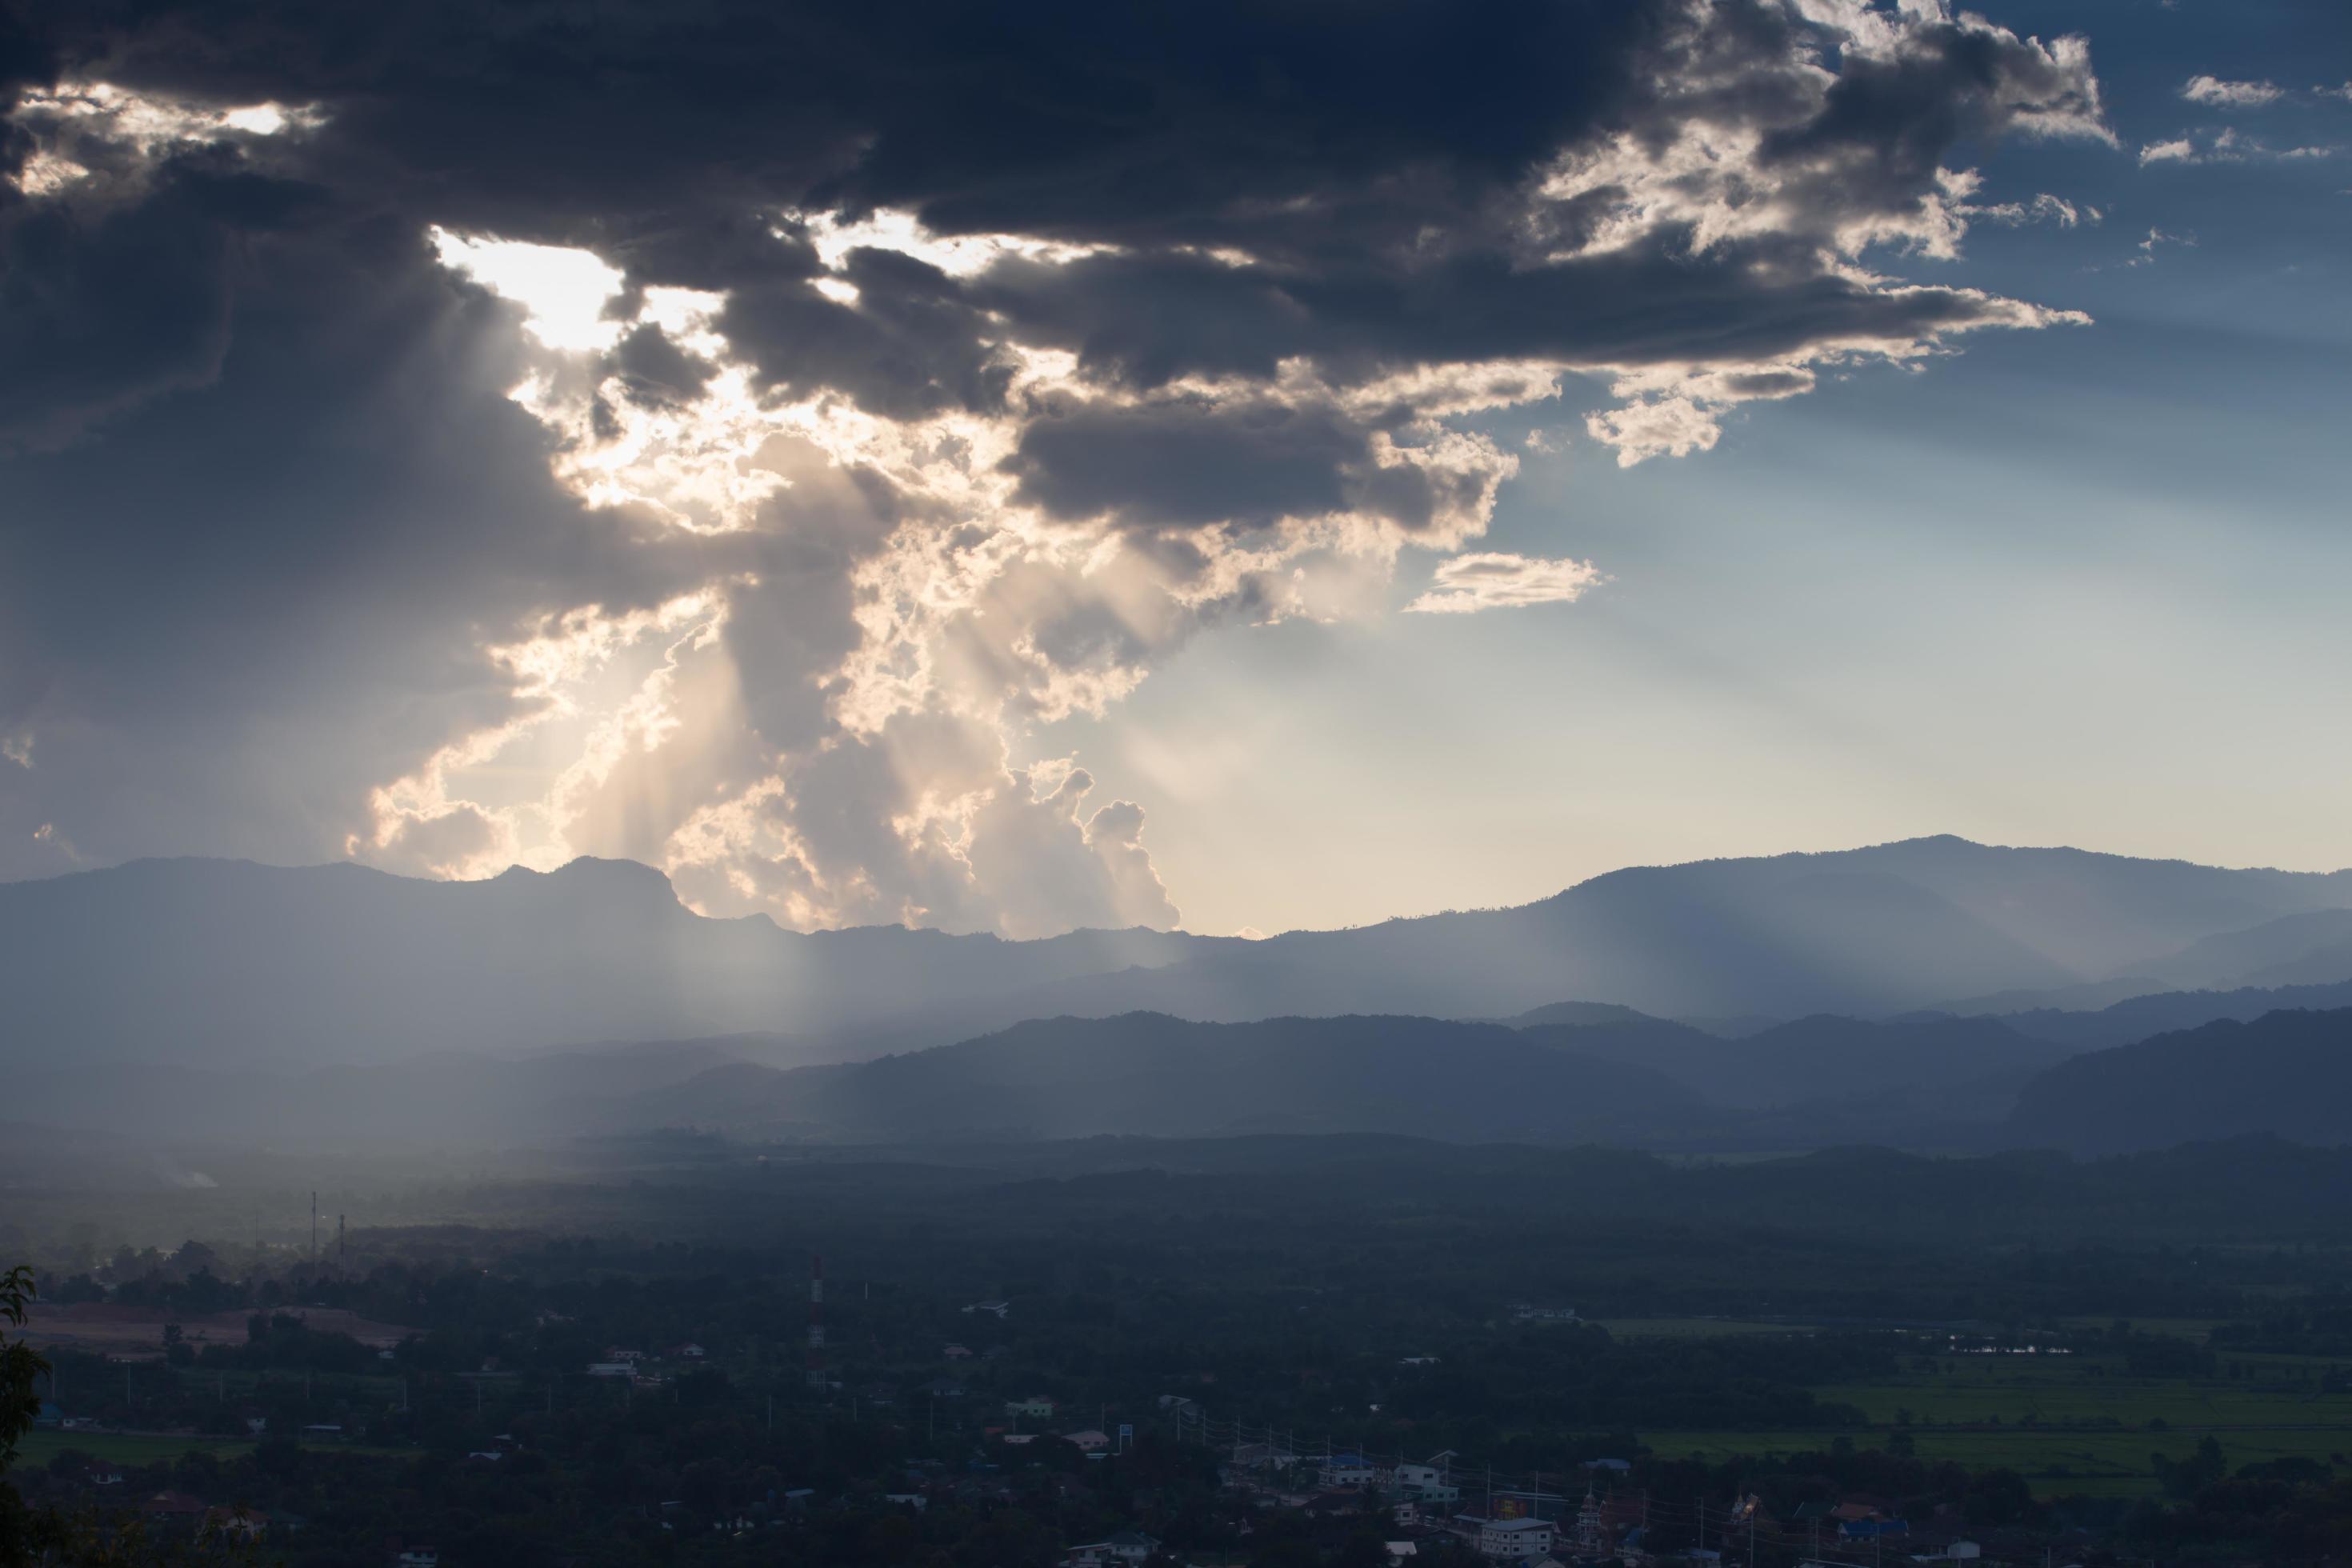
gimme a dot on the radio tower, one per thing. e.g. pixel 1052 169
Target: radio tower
pixel 817 1322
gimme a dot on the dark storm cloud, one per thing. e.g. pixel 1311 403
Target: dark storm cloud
pixel 1033 118
pixel 243 610
pixel 1644 305
pixel 1371 163
pixel 913 347
pixel 272 508
pixel 1187 463
pixel 1887 124
pixel 99 310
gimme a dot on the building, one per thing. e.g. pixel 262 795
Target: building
pixel 1513 1540
pixel 997 1310
pixel 1127 1546
pixel 175 1507
pixel 1089 1441
pixel 1263 1455
pixel 237 1524
pixel 1592 1528
pixel 1429 1485
pixel 1036 1406
pixel 1345 1471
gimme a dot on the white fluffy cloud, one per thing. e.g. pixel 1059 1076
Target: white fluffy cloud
pixel 2227 145
pixel 2220 94
pixel 1493 580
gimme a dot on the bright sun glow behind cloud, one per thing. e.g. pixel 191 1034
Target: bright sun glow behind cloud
pixel 957 256
pixel 562 291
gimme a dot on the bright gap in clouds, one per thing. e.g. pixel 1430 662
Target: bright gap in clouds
pixel 76 118
pixel 562 291
pixel 957 256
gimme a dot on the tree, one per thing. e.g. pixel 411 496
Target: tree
pixel 21 1369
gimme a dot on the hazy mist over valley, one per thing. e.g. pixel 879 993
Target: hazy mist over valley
pixel 1932 994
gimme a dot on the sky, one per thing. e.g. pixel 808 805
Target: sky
pixel 1245 467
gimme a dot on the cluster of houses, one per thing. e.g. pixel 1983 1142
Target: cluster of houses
pixel 1093 1442
pixel 635 1365
pixel 1425 1504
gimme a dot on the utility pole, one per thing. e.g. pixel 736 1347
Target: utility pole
pixel 816 1323
pixel 314 1230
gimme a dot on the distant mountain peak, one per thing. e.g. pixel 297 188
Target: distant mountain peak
pixel 593 874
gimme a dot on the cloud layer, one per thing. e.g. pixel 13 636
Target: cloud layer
pixel 500 437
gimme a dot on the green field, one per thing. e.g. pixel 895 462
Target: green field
pixel 2071 1423
pixel 1978 1391
pixel 2055 1463
pixel 2179 1328
pixel 43 1444
pixel 1693 1328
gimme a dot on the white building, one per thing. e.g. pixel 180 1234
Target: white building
pixel 1126 1547
pixel 1345 1471
pixel 1514 1540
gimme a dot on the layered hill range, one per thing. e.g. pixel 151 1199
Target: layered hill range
pixel 1930 992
